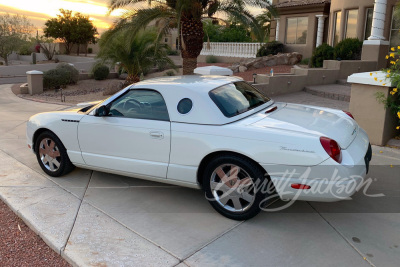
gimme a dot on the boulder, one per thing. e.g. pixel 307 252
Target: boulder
pixel 266 61
pixel 242 69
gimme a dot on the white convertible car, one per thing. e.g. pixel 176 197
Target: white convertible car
pixel 211 132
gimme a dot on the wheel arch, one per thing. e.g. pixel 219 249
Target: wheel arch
pixel 208 158
pixel 36 135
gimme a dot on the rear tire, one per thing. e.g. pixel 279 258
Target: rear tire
pixel 52 155
pixel 232 184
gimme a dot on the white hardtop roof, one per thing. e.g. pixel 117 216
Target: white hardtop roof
pixel 196 88
pixel 213 70
pixel 191 82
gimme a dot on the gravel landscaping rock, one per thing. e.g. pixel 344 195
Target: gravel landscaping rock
pixel 20 246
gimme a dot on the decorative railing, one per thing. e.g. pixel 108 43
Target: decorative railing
pixel 247 50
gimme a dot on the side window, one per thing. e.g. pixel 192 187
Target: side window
pixel 185 106
pixel 140 104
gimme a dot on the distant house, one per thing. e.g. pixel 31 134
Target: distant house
pixel 305 24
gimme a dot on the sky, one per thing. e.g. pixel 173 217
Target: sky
pixel 38 11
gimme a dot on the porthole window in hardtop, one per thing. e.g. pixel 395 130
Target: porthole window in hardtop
pixel 185 105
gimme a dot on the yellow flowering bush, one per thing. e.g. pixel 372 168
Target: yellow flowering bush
pixel 393 74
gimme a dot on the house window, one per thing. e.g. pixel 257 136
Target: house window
pixel 368 23
pixel 336 27
pixel 296 30
pixel 351 23
pixel 394 32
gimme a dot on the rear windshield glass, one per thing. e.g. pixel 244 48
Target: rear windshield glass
pixel 236 98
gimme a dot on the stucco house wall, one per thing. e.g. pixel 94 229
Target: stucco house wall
pixel 362 6
pixel 311 8
pixel 300 8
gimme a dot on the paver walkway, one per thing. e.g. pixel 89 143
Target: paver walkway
pixel 97 219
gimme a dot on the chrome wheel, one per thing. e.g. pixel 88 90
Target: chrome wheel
pixel 49 155
pixel 232 188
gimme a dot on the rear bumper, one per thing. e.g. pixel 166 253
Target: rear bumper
pixel 329 181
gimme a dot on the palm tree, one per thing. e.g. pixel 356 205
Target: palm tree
pixel 263 29
pixel 187 15
pixel 135 55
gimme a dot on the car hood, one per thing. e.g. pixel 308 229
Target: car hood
pixel 312 120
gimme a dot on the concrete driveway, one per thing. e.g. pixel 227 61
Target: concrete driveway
pixel 98 219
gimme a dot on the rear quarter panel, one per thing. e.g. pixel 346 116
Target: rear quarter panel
pixel 190 143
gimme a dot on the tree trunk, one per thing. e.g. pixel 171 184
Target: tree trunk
pixel 192 35
pixel 6 60
pixel 78 49
pixel 132 78
pixel 86 48
pixel 189 64
pixel 68 48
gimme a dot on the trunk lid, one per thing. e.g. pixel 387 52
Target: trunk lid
pixel 312 120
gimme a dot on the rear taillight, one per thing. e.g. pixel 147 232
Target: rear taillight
pixel 332 148
pixel 349 114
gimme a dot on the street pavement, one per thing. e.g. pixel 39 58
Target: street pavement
pixel 13 80
pixel 98 219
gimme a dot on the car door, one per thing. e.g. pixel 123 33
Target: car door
pixel 133 138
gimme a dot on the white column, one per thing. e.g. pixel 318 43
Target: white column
pixel 320 30
pixel 378 20
pixel 277 29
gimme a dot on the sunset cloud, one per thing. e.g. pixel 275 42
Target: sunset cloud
pixel 38 11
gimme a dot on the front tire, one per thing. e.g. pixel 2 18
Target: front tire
pixel 232 184
pixel 52 155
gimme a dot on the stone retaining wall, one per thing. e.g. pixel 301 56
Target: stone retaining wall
pixel 300 78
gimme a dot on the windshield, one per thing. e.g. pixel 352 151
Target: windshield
pixel 236 98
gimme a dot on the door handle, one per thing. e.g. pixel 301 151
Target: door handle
pixel 157 135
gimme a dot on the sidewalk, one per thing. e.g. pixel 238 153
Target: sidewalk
pixel 97 219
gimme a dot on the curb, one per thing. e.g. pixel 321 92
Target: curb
pixel 46 102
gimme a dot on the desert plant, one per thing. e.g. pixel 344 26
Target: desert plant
pixel 271 48
pixel 135 55
pixel 348 49
pixel 321 53
pixel 73 73
pixel 393 76
pixel 100 72
pixel 211 59
pixel 26 49
pixel 55 78
pixel 187 16
pixel 48 47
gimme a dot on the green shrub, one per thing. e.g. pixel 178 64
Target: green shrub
pixel 271 48
pixel 73 73
pixel 100 72
pixel 90 50
pixel 321 53
pixel 169 73
pixel 211 59
pixel 172 52
pixel 348 49
pixel 55 78
pixel 305 61
pixel 26 49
